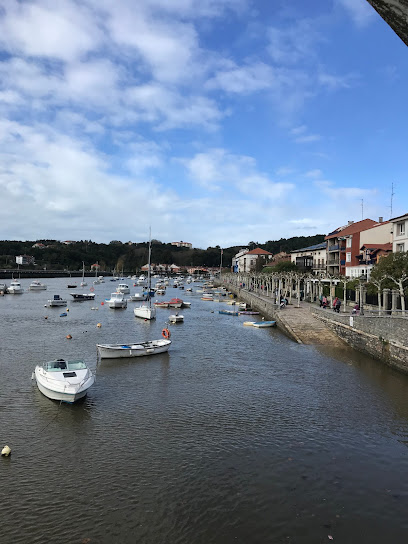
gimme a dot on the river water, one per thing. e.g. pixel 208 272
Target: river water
pixel 236 435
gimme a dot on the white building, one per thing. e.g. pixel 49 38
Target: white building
pixel 246 260
pixel 399 233
pixel 312 258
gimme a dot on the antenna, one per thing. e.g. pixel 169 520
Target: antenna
pixel 392 194
pixel 362 209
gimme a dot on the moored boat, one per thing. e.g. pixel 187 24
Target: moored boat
pixel 15 288
pixel 261 324
pixel 83 296
pixel 176 318
pixel 63 380
pixel 117 300
pixel 56 301
pixel 36 285
pixel 136 349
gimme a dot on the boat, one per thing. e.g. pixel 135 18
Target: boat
pixel 117 300
pixel 207 296
pixel 160 291
pixel 137 297
pixel 247 312
pixel 249 323
pixel 186 304
pixel 159 304
pixel 176 318
pixel 83 282
pixel 36 285
pixel 146 310
pixel 56 301
pixel 15 288
pixel 136 349
pixel 63 380
pixel 227 312
pixel 123 288
pixel 72 285
pixel 83 296
pixel 261 324
pixel 175 303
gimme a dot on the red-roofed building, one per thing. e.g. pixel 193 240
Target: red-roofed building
pixel 343 247
pixel 245 260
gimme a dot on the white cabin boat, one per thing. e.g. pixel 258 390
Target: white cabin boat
pixel 66 381
pixel 176 318
pixel 15 288
pixel 123 288
pixel 56 301
pixel 137 349
pixel 138 297
pixel 36 285
pixel 145 311
pixel 117 300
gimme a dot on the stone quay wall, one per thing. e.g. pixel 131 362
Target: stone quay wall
pixel 384 338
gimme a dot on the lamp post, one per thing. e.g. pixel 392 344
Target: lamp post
pixel 361 280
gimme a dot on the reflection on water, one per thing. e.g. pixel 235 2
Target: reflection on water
pixel 235 435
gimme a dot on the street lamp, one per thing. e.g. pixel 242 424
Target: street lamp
pixel 362 280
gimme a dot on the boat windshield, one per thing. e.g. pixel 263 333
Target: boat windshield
pixel 76 365
pixel 61 364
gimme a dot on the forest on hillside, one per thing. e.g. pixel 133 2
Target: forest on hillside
pixel 129 256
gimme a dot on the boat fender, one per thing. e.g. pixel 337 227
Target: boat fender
pixel 99 325
pixel 5 451
pixel 102 303
pixel 68 337
pixel 166 334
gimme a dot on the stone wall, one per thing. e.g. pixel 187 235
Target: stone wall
pixel 384 338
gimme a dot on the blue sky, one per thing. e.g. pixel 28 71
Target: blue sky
pixel 216 122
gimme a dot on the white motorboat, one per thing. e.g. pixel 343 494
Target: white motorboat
pixel 146 310
pixel 15 288
pixel 117 300
pixel 78 297
pixel 36 285
pixel 123 288
pixel 176 318
pixel 137 349
pixel 56 301
pixel 63 380
pixel 138 297
pixel 262 324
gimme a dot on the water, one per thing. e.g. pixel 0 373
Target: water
pixel 236 435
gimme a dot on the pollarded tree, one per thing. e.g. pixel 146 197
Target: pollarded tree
pixel 393 268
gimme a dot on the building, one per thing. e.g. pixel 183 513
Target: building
pixel 39 245
pixel 246 260
pixel 25 259
pixel 376 242
pixel 399 233
pixel 343 247
pixel 182 244
pixel 311 259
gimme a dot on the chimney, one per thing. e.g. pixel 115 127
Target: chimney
pixel 380 219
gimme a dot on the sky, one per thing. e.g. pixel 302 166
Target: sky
pixel 215 122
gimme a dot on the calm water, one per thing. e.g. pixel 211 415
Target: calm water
pixel 237 435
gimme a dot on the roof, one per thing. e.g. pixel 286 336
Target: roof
pixel 354 228
pixel 258 251
pixel 322 245
pixel 399 217
pixel 384 247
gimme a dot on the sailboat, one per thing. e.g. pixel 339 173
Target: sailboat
pixel 83 282
pixel 146 310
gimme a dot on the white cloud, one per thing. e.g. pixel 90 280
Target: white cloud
pixel 360 11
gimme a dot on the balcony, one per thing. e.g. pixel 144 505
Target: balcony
pixel 335 247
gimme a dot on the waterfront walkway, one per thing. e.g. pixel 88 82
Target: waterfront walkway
pixel 297 321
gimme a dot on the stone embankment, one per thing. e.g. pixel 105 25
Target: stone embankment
pixel 382 337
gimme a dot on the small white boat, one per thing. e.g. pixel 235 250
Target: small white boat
pixel 66 381
pixel 56 301
pixel 145 311
pixel 123 288
pixel 117 300
pixel 78 297
pixel 249 323
pixel 137 297
pixel 36 285
pixel 176 318
pixel 15 288
pixel 137 349
pixel 160 291
pixel 261 324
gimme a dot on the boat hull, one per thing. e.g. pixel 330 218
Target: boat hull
pixel 69 394
pixel 145 312
pixel 117 351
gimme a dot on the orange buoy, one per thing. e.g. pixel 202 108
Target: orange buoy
pixel 102 303
pixel 68 337
pixel 99 325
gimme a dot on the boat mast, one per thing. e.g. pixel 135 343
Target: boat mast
pixel 148 267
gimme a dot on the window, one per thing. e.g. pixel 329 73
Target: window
pixel 401 228
pixel 348 257
pixel 400 247
pixel 348 242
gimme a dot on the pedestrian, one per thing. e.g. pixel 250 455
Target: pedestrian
pixel 324 302
pixel 337 306
pixel 321 300
pixel 356 310
pixel 335 303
